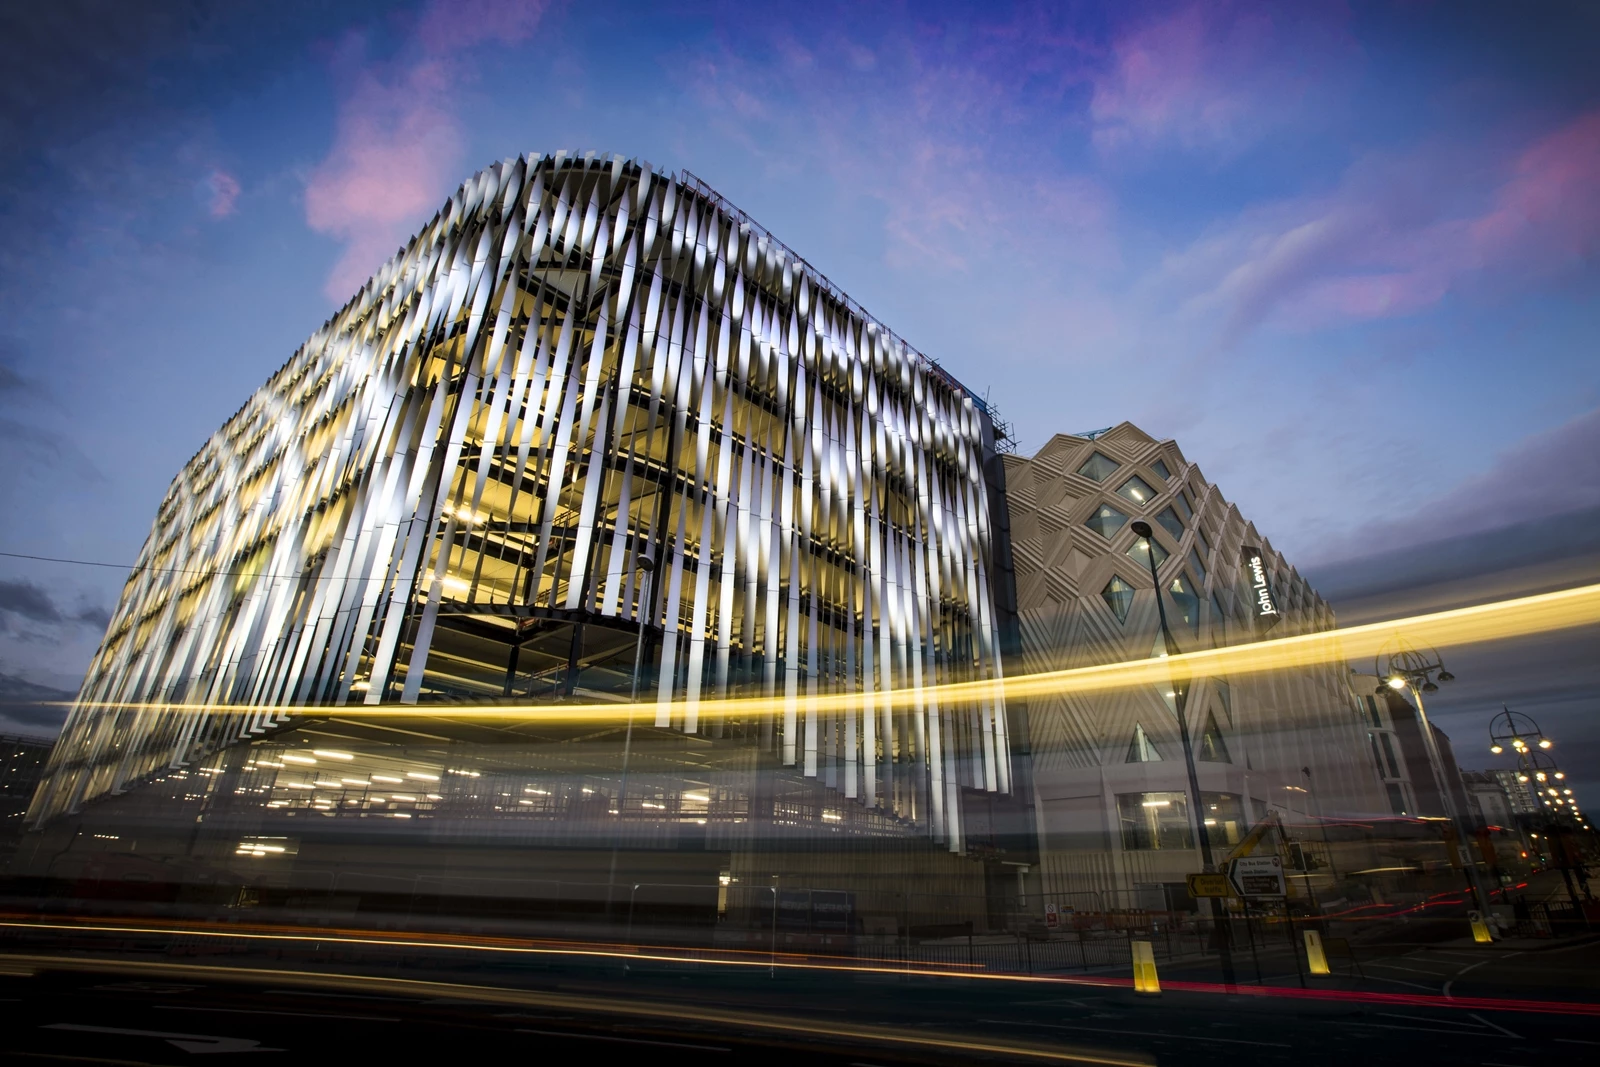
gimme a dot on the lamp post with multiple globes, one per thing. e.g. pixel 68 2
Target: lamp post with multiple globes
pixel 1404 667
pixel 1538 772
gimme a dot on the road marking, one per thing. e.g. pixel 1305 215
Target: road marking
pixel 1416 1029
pixel 1410 970
pixel 197 1043
pixel 1576 1041
pixel 625 1040
pixel 1402 981
pixel 1138 1033
pixel 1418 1019
pixel 1461 972
pixel 295 1014
pixel 1497 1026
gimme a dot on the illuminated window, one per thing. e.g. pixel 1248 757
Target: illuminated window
pixel 1171 523
pixel 1213 749
pixel 1141 749
pixel 1098 467
pixel 1137 551
pixel 1161 470
pixel 1224 817
pixel 1188 603
pixel 1137 490
pixel 1118 596
pixel 1106 521
pixel 1154 821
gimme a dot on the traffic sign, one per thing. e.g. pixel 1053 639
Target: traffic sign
pixel 1052 917
pixel 1257 876
pixel 1209 885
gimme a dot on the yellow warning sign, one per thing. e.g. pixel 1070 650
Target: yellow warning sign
pixel 1209 885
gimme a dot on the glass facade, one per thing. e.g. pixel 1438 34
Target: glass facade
pixel 1106 520
pixel 1137 490
pixel 1139 551
pixel 450 493
pixel 1098 467
pixel 1118 596
pixel 1171 523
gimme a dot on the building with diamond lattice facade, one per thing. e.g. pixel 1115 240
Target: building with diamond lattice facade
pixel 1111 790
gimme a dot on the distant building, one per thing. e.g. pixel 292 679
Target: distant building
pixel 22 763
pixel 1489 802
pixel 1519 795
pixel 1109 777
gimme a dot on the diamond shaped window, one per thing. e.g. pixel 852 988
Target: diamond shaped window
pixel 1194 565
pixel 1188 603
pixel 1106 521
pixel 1181 502
pixel 1098 467
pixel 1141 749
pixel 1137 490
pixel 1118 596
pixel 1213 749
pixel 1161 470
pixel 1200 539
pixel 1171 523
pixel 1137 551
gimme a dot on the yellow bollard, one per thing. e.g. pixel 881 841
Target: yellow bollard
pixel 1144 968
pixel 1316 959
pixel 1480 929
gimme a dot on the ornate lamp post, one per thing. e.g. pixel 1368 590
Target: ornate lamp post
pixel 1402 666
pixel 1537 771
pixel 1180 698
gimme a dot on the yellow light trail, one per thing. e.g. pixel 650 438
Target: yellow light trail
pixel 791 1023
pixel 1518 617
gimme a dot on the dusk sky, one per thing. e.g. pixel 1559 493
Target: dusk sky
pixel 1344 254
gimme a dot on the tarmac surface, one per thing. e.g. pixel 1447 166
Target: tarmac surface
pixel 135 1002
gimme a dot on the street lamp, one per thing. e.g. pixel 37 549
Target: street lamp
pixel 646 586
pixel 1539 774
pixel 1401 666
pixel 1180 698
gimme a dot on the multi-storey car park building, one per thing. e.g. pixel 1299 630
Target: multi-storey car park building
pixel 587 401
pixel 593 412
pixel 1108 769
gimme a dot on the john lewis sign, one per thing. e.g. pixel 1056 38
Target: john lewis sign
pixel 1258 589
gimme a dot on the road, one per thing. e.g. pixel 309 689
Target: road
pixel 151 1008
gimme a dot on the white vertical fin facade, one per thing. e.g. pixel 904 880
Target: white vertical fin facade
pixel 577 364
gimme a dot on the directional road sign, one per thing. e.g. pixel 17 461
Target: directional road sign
pixel 1257 876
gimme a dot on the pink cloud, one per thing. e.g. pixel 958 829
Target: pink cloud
pixel 398 140
pixel 1382 246
pixel 1212 76
pixel 224 193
